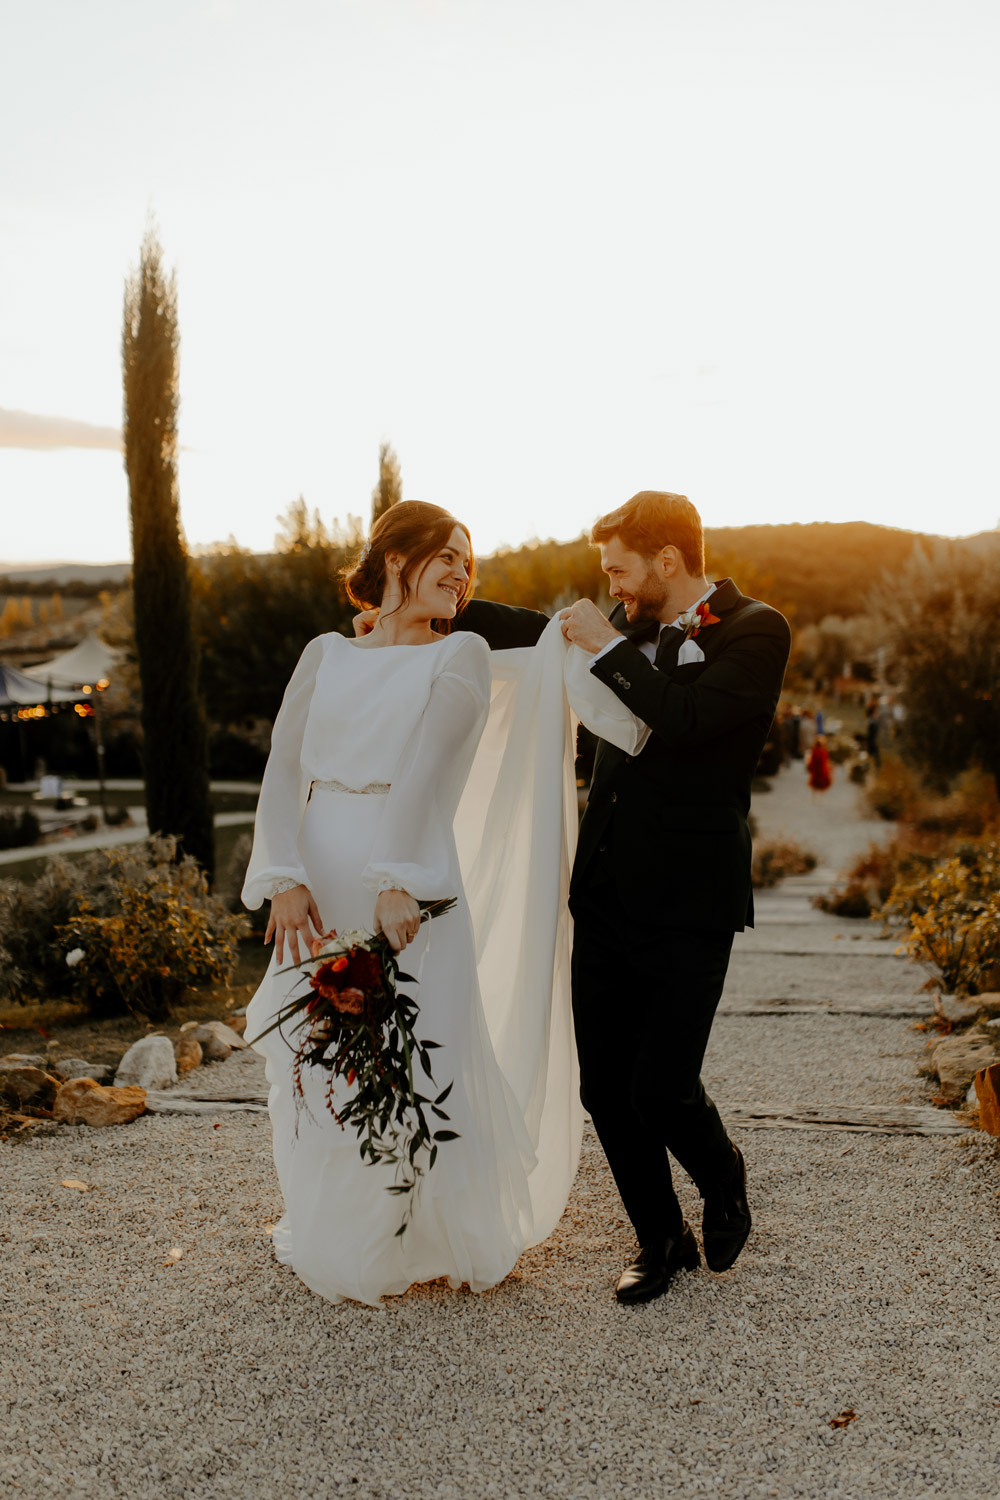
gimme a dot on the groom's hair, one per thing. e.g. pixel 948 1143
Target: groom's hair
pixel 652 520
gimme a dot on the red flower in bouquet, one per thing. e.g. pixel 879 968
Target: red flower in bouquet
pixel 352 982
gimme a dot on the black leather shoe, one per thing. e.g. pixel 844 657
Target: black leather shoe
pixel 655 1266
pixel 726 1222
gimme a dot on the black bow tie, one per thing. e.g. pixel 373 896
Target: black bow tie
pixel 643 631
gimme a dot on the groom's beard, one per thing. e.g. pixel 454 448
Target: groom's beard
pixel 647 602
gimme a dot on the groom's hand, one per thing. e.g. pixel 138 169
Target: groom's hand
pixel 586 627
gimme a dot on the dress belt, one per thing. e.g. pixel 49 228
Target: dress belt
pixel 373 789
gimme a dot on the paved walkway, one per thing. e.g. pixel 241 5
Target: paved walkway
pixel 849 1355
pixel 114 838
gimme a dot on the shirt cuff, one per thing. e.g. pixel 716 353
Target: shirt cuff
pixel 605 649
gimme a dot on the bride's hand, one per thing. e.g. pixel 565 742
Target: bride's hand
pixel 292 914
pixel 365 621
pixel 398 916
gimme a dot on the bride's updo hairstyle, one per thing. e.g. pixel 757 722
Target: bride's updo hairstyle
pixel 417 531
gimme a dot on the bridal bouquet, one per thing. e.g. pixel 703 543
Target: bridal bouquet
pixel 356 1024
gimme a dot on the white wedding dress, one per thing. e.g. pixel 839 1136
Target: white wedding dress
pixel 443 770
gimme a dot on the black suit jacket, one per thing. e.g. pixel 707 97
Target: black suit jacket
pixel 674 818
pixel 676 815
pixel 502 626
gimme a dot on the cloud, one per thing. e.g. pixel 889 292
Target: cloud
pixel 25 429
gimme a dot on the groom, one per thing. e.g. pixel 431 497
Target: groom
pixel 661 880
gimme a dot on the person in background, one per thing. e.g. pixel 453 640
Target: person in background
pixel 872 735
pixel 818 766
pixel 807 731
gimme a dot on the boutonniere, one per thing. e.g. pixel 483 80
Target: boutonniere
pixel 693 621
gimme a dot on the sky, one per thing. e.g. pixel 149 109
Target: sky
pixel 554 251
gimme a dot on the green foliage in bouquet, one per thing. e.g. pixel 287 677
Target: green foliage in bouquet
pixel 143 923
pixel 358 1027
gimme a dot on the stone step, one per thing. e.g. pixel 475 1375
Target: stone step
pixel 867 1119
pixel 892 1007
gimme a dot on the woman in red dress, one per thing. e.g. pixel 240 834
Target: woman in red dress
pixel 818 766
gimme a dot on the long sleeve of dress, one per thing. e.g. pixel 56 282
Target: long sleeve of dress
pixel 414 848
pixel 598 708
pixel 275 863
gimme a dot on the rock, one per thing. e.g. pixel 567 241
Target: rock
pixel 959 1008
pixel 22 1060
pixel 188 1054
pixel 148 1064
pixel 987 1086
pixel 69 1068
pixel 84 1102
pixel 214 1047
pixel 237 1024
pixel 957 1059
pixel 23 1086
pixel 218 1040
pixel 227 1034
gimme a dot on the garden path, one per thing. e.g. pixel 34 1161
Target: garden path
pixel 849 1355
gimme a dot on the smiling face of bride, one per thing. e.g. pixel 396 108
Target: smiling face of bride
pixel 439 586
pixel 418 567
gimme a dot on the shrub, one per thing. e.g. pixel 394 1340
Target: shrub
pixel 969 808
pixel 953 917
pixel 774 859
pixel 867 884
pixel 848 900
pixel 893 790
pixel 19 829
pixel 145 921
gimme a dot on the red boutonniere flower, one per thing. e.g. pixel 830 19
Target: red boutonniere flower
pixel 705 617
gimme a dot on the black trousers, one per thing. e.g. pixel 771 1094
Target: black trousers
pixel 644 1000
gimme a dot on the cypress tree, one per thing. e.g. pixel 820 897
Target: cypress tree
pixel 389 490
pixel 175 748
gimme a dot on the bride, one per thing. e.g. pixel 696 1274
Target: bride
pixel 381 790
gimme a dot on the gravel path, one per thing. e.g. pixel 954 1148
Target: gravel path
pixel 868 1286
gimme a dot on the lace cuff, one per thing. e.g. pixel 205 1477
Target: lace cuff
pixel 388 883
pixel 278 886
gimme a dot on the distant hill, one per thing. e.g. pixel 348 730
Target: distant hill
pixel 59 574
pixel 824 567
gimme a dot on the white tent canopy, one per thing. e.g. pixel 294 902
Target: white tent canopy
pixel 19 688
pixel 87 664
